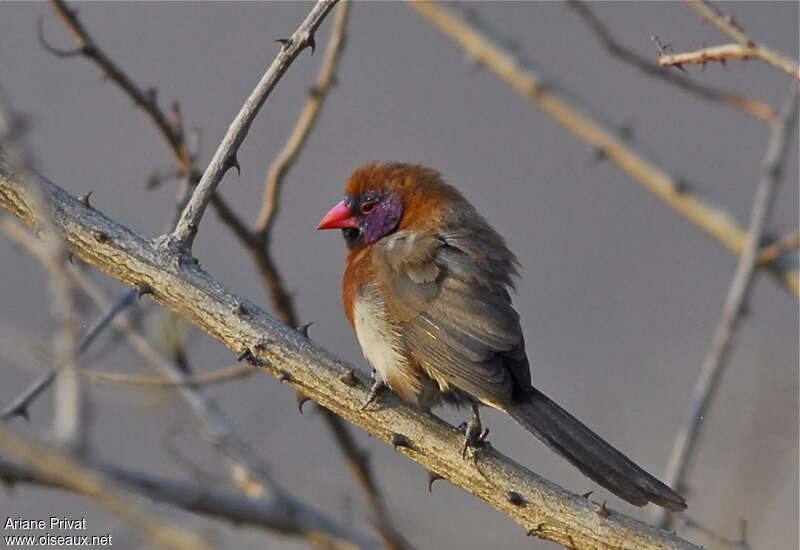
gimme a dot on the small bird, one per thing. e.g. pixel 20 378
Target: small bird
pixel 426 288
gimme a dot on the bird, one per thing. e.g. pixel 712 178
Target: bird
pixel 427 288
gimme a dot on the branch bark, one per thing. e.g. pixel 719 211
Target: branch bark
pixel 545 510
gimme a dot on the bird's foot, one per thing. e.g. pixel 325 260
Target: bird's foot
pixel 375 391
pixel 474 434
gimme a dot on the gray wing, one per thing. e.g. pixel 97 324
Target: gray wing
pixel 449 294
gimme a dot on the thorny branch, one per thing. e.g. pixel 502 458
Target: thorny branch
pixel 644 64
pixel 727 24
pixel 307 522
pixel 548 95
pixel 542 507
pixel 225 156
pixel 257 241
pixel 714 364
pixel 719 54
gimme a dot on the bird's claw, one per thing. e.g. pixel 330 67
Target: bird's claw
pixel 474 434
pixel 375 391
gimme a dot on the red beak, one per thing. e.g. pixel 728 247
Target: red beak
pixel 338 217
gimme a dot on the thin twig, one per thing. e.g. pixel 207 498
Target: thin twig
pixel 719 54
pixel 172 132
pixel 686 442
pixel 70 418
pixel 225 157
pixel 547 510
pixel 41 463
pixel 727 24
pixel 217 377
pixel 305 123
pixel 20 406
pixel 145 99
pixel 548 96
pixel 644 64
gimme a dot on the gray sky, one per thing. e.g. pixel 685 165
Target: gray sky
pixel 619 295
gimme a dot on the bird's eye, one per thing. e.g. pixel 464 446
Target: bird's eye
pixel 368 207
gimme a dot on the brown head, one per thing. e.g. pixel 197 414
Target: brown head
pixel 381 198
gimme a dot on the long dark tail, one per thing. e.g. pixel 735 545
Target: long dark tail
pixel 592 455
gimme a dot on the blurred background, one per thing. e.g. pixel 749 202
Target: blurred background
pixel 619 293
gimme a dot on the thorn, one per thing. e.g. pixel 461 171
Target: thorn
pixel 301 400
pixel 314 92
pixel 432 476
pixel 680 67
pixel 348 378
pixel 143 288
pixel 682 187
pixel 152 95
pixel 399 440
pixel 587 494
pixel 515 498
pixel 303 329
pixel 70 257
pixel 598 155
pixel 22 412
pixel 626 132
pixel 101 237
pixel 284 376
pixel 723 62
pixel 602 511
pixel 85 198
pixel 244 354
pixel 240 310
pixel 312 43
pixel 284 42
pixel 533 531
pixel 233 162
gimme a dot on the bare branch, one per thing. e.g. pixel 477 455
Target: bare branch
pixel 305 123
pixel 546 511
pixel 225 156
pixel 728 26
pixel 549 97
pixel 645 65
pixel 19 406
pixel 145 99
pixel 49 467
pixel 713 367
pixel 720 54
pixel 216 377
